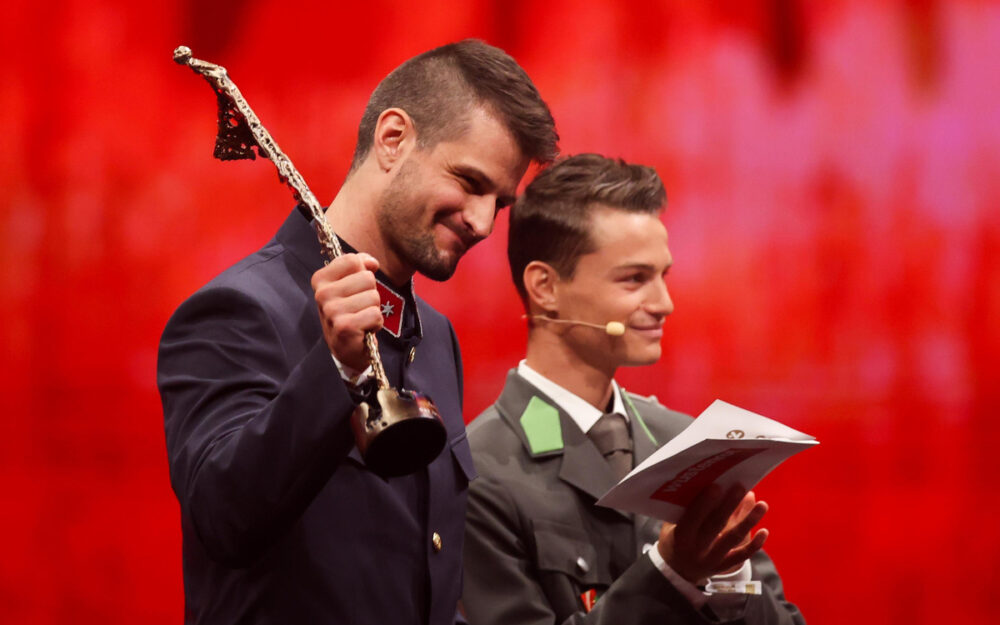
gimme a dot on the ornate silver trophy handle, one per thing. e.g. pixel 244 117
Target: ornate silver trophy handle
pixel 239 132
pixel 401 431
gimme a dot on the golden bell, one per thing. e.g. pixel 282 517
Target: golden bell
pixel 400 435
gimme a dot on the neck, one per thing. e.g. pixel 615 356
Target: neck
pixel 352 214
pixel 550 356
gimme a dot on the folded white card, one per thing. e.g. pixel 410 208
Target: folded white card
pixel 725 445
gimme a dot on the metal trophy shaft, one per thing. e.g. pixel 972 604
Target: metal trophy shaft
pixel 401 431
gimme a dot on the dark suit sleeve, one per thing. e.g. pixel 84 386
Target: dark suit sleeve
pixel 500 585
pixel 251 437
pixel 504 587
pixel 646 596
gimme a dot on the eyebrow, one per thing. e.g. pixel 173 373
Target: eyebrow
pixel 641 267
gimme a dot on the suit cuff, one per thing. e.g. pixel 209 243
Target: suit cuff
pixel 352 376
pixel 689 590
pixel 742 574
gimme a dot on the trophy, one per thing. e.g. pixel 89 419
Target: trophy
pixel 399 432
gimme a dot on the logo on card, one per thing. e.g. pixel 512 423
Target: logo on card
pixel 683 488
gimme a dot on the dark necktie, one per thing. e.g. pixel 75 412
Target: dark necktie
pixel 610 435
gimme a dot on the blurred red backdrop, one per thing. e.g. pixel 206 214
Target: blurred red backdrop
pixel 834 179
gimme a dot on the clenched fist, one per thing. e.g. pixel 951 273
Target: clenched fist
pixel 348 304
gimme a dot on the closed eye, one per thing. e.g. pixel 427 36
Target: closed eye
pixel 471 184
pixel 635 278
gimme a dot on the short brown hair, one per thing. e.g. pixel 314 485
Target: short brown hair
pixel 439 87
pixel 551 221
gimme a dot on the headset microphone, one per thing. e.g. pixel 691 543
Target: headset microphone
pixel 611 328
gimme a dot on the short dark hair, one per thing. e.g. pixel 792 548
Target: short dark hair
pixel 439 87
pixel 550 222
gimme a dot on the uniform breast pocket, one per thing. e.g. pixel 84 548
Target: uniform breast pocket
pixel 569 566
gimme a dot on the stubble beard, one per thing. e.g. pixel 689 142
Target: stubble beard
pixel 399 215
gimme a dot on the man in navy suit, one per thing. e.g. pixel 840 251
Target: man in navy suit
pixel 261 369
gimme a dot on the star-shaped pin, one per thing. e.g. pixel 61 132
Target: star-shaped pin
pixel 387 309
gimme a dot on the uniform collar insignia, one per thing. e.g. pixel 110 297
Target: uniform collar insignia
pixel 540 422
pixel 393 306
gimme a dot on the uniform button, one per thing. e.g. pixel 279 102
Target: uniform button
pixel 436 541
pixel 582 564
pixel 413 354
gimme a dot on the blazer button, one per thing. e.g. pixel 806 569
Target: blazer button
pixel 582 564
pixel 436 541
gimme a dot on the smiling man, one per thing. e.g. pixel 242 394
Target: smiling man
pixel 589 257
pixel 261 369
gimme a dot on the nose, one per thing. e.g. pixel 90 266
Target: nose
pixel 660 303
pixel 479 213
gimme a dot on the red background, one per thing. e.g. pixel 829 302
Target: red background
pixel 832 171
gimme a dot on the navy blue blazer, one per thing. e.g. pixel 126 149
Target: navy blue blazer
pixel 282 522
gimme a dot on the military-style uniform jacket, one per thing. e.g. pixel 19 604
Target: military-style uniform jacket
pixel 536 543
pixel 282 521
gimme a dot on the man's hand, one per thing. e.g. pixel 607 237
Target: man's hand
pixel 348 305
pixel 714 534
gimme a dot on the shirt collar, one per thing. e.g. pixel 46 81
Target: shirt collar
pixel 578 409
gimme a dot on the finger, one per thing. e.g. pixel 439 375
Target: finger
pixel 741 511
pixel 340 267
pixel 340 313
pixel 665 543
pixel 369 261
pixel 666 529
pixel 751 518
pixel 362 283
pixel 717 518
pixel 690 523
pixel 737 534
pixel 746 504
pixel 745 552
pixel 349 330
pixel 367 320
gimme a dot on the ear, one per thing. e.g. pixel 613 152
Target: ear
pixel 541 282
pixel 395 136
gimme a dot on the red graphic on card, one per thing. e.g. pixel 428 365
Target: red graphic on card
pixel 680 490
pixel 392 309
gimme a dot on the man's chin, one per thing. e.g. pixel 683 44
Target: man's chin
pixel 644 359
pixel 438 271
